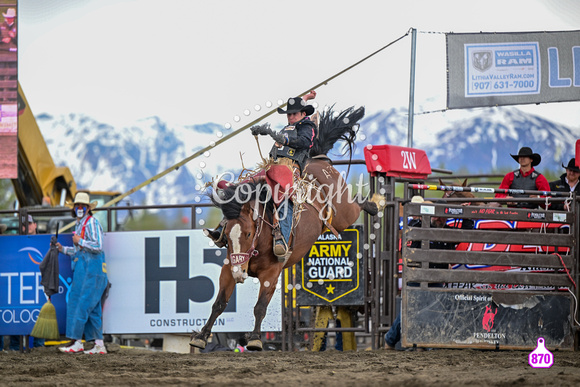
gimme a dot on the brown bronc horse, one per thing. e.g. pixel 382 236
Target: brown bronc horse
pixel 323 200
pixel 462 194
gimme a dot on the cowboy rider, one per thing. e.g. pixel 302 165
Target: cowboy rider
pixel 526 177
pixel 292 147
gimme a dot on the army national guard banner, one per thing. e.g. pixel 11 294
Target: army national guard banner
pixel 490 69
pixel 332 272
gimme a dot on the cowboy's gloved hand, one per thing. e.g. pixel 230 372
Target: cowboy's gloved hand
pixel 280 138
pixel 263 129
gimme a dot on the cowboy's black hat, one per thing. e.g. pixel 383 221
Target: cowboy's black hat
pixel 572 165
pixel 296 105
pixel 526 151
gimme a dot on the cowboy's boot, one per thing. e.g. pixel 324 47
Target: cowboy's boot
pixel 217 235
pixel 280 247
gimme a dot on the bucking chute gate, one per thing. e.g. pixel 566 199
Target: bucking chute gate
pixel 509 279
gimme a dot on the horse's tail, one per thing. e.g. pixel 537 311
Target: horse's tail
pixel 334 127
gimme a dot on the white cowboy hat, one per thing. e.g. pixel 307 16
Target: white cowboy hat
pixel 417 199
pixel 10 13
pixel 83 198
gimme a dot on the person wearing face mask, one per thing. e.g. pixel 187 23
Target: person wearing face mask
pixel 84 311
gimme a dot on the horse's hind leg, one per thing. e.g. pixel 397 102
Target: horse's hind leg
pixel 227 284
pixel 267 288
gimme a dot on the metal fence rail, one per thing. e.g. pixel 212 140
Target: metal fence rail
pixel 501 286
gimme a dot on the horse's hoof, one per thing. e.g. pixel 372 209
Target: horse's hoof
pixel 197 342
pixel 254 345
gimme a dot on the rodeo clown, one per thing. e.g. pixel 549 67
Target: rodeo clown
pixel 289 153
pixel 84 309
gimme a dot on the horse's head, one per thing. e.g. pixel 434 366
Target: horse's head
pixel 244 207
pixel 460 194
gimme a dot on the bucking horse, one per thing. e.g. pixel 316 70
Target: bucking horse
pixel 322 201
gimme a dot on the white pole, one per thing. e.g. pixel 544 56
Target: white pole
pixel 412 89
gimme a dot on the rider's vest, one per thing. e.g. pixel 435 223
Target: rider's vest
pixel 299 155
pixel 526 183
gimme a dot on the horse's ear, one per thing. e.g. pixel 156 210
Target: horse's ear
pixel 464 183
pixel 441 182
pixel 246 208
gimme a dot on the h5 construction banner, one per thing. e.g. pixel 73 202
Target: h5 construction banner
pixel 490 69
pixel 167 281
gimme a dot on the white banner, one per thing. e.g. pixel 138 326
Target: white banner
pixel 502 69
pixel 167 281
pixel 491 69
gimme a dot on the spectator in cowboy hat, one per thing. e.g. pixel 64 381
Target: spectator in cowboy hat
pixel 525 178
pixel 8 31
pixel 568 183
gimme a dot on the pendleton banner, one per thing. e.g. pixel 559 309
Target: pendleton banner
pixel 490 69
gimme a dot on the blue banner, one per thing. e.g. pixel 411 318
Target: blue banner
pixel 21 294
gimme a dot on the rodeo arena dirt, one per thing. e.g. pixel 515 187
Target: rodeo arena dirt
pixel 45 367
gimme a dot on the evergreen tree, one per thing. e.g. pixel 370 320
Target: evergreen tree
pixel 7 196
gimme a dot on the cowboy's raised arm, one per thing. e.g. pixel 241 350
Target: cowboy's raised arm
pixel 309 96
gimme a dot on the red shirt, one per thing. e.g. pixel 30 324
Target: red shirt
pixel 541 182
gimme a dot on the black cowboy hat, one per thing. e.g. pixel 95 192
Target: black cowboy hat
pixel 296 105
pixel 526 151
pixel 572 165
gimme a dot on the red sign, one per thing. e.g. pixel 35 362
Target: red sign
pixel 488 317
pixel 397 161
pixel 577 155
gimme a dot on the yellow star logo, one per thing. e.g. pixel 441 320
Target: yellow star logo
pixel 330 289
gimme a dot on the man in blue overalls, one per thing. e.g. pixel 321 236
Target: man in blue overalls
pixel 84 309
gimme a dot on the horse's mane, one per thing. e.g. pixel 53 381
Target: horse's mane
pixel 232 199
pixel 334 127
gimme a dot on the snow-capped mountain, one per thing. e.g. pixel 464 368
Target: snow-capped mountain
pixel 103 157
pixel 485 143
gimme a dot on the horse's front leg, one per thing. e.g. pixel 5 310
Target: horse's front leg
pixel 227 284
pixel 267 288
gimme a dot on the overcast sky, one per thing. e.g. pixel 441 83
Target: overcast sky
pixel 193 61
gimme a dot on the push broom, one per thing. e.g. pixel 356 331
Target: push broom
pixel 46 326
